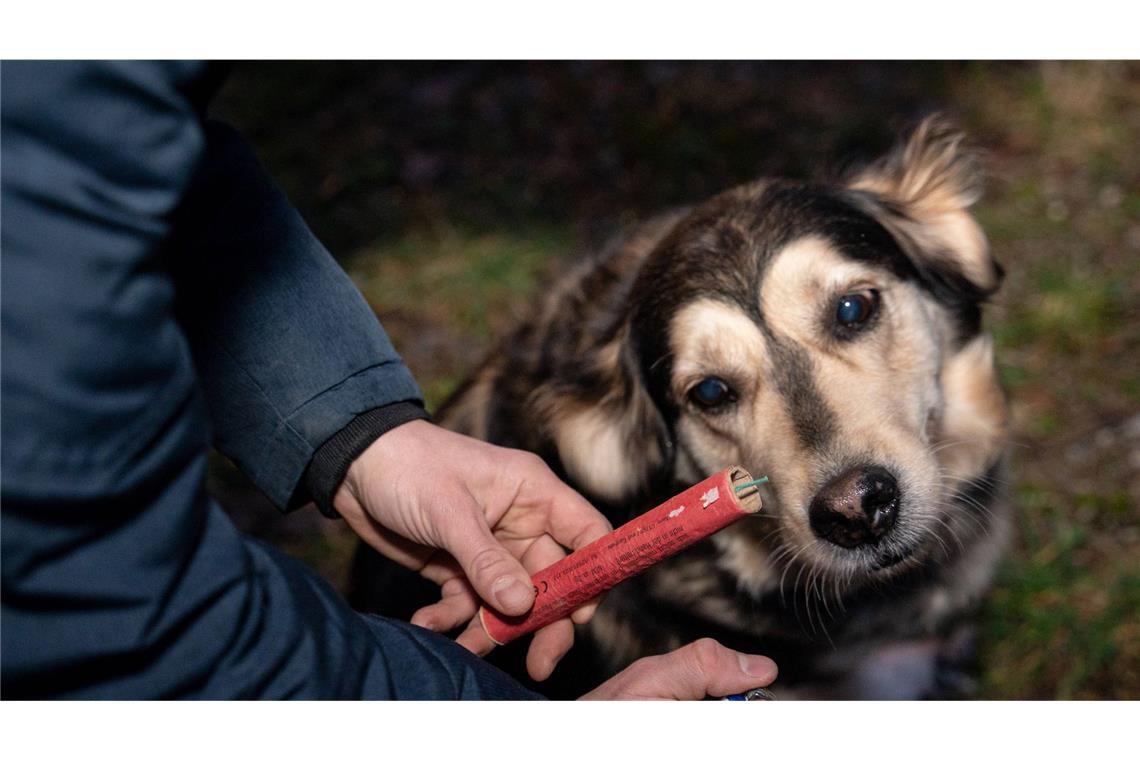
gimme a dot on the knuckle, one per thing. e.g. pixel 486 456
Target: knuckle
pixel 531 462
pixel 643 669
pixel 486 563
pixel 706 655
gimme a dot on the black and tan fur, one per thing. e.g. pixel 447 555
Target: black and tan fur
pixel 743 287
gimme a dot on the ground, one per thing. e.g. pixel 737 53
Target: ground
pixel 452 191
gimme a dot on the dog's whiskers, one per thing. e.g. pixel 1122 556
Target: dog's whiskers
pixel 950 529
pixel 788 566
pixel 821 578
pixel 989 482
pixel 981 527
pixel 795 595
pixel 663 357
pixel 943 445
pixel 966 506
pixel 947 554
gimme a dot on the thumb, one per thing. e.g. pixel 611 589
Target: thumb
pixel 703 668
pixel 497 577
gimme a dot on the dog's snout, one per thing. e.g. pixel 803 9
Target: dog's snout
pixel 856 507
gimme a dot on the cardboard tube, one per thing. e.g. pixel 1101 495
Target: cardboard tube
pixel 691 515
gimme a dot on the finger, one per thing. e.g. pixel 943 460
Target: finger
pixel 542 552
pixel 582 615
pixel 497 577
pixel 548 646
pixel 388 543
pixel 703 668
pixel 456 607
pixel 441 568
pixel 573 521
pixel 474 639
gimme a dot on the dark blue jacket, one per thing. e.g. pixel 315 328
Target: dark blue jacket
pixel 159 295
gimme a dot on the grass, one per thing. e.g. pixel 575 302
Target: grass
pixel 468 280
pixel 1064 619
pixel 460 285
pixel 1071 309
pixel 1061 622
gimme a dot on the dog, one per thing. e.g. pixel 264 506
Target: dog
pixel 827 335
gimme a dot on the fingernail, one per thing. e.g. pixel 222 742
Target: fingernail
pixel 512 594
pixel 757 665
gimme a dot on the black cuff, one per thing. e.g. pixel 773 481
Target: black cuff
pixel 330 463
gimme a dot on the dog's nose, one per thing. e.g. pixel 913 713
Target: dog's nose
pixel 856 507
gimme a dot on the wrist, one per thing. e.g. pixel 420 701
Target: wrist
pixel 331 464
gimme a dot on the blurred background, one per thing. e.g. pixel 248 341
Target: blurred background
pixel 451 192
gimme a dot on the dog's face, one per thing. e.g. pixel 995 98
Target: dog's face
pixel 829 337
pixel 833 386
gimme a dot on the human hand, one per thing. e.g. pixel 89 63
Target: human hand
pixel 695 671
pixel 474 518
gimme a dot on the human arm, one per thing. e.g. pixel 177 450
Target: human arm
pixel 121 577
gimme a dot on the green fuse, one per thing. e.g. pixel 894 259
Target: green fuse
pixel 741 486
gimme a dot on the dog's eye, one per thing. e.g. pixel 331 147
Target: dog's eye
pixel 711 393
pixel 854 309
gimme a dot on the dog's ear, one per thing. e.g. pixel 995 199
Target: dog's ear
pixel 609 434
pixel 922 192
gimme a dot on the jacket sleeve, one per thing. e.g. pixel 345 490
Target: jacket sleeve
pixel 121 578
pixel 288 351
